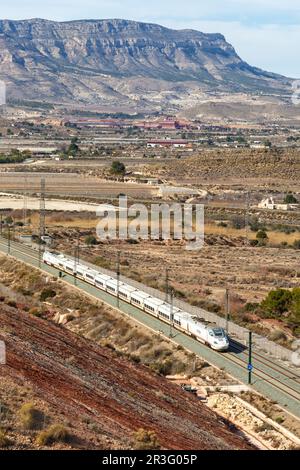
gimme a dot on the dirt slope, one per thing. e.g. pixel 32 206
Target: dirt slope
pixel 83 381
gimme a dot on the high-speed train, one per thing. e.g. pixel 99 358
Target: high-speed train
pixel 203 331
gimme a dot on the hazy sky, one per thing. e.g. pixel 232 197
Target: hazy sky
pixel 265 33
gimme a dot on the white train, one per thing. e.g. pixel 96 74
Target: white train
pixel 201 330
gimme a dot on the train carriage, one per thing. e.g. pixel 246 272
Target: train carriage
pixel 198 328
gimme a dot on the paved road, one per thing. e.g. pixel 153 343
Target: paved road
pixel 269 378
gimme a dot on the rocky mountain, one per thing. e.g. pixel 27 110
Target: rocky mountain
pixel 123 64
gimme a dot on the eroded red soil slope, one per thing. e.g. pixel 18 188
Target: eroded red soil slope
pixel 82 380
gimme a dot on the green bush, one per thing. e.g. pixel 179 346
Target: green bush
pixel 277 302
pixel 290 199
pixel 90 240
pixel 47 294
pixel 261 235
pixel 283 301
pixel 118 168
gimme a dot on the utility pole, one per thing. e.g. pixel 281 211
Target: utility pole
pixel 171 313
pixel 118 279
pixel 227 309
pixel 76 259
pixel 250 366
pixel 247 216
pixel 8 239
pixel 42 218
pixel 167 285
pixel 25 202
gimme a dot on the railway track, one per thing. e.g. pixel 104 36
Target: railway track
pixel 265 360
pixel 266 369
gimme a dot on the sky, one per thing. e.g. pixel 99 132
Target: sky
pixel 265 33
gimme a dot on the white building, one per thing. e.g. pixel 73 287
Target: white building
pixel 269 203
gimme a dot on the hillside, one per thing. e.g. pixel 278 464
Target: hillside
pixel 123 64
pixel 101 397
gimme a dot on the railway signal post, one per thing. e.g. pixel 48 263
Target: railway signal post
pixel 8 239
pixel 250 366
pixel 227 307
pixel 167 284
pixel 76 260
pixel 171 312
pixel 118 279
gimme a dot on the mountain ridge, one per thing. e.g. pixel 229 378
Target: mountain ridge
pixel 142 65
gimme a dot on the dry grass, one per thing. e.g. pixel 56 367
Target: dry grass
pixel 55 433
pixel 30 417
pixel 145 440
pixel 275 238
pixel 4 441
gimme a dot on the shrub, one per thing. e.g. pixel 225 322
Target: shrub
pixel 279 419
pixel 277 302
pixel 255 224
pixel 251 307
pixel 145 440
pixel 261 235
pixel 55 433
pixel 35 311
pixel 30 417
pixel 263 427
pixel 118 168
pixel 4 441
pixel 90 240
pixel 296 244
pixel 238 222
pixel 290 199
pixel 278 335
pixel 47 294
pixel 102 262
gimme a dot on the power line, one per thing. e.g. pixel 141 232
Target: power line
pixel 42 218
pixel 25 202
pixel 118 279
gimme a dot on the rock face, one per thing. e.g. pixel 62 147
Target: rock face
pixel 125 62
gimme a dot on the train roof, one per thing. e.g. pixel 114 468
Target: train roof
pixel 141 294
pixel 128 288
pixel 154 301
